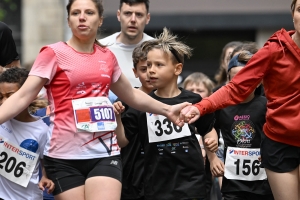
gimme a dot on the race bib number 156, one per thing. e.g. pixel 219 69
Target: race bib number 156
pixel 243 164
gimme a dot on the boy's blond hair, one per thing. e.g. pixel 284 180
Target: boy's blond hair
pixel 197 78
pixel 169 44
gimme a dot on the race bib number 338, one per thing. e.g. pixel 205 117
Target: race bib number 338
pixel 162 129
pixel 243 164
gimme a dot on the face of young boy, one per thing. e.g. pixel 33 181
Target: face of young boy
pixel 233 71
pixel 141 73
pixel 198 89
pixel 161 70
pixel 6 90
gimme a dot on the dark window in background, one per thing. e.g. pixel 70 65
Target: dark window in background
pixel 10 13
pixel 208 47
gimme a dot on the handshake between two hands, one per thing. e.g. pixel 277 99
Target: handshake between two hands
pixel 180 114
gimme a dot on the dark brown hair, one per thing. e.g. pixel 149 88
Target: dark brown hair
pixel 138 55
pixel 132 2
pixel 293 5
pixel 221 76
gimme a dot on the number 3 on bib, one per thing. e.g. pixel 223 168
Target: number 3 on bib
pixel 162 129
pixel 243 164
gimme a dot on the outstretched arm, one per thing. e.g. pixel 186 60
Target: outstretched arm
pixel 22 98
pixel 141 101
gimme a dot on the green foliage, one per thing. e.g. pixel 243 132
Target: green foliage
pixel 7 6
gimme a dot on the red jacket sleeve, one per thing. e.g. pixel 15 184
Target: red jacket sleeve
pixel 241 86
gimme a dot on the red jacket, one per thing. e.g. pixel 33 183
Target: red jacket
pixel 277 64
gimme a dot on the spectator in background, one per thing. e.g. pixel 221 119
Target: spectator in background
pixel 9 56
pixel 133 16
pixel 221 76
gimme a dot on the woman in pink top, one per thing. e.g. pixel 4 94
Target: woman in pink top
pixel 81 155
pixel 277 66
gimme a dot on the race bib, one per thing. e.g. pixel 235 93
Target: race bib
pixel 94 114
pixel 243 164
pixel 162 129
pixel 16 163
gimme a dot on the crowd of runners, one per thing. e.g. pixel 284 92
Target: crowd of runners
pixel 108 119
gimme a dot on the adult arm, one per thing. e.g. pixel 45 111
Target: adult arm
pixel 20 100
pixel 237 90
pixel 141 101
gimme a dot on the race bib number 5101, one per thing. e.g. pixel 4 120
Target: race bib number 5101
pixel 94 114
pixel 243 164
pixel 16 163
pixel 162 129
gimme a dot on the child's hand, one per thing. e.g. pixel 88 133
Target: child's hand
pixel 46 183
pixel 118 107
pixel 216 167
pixel 259 158
pixel 211 144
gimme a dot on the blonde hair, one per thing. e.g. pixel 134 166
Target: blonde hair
pixel 38 103
pixel 169 44
pixel 197 78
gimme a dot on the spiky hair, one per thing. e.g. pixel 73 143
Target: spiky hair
pixel 170 44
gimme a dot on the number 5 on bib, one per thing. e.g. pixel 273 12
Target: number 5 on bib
pixel 94 114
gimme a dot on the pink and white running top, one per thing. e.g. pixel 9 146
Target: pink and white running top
pixel 73 75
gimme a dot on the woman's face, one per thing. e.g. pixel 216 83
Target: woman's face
pixel 84 19
pixel 296 16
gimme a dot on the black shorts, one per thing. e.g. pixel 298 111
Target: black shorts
pixel 279 157
pixel 68 174
pixel 246 196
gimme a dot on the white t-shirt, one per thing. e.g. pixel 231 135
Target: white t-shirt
pixel 31 136
pixel 123 54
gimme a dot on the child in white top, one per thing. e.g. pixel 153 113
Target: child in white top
pixel 22 142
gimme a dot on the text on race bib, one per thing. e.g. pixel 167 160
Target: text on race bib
pixel 94 114
pixel 16 163
pixel 162 129
pixel 243 164
pixel 9 164
pixel 103 113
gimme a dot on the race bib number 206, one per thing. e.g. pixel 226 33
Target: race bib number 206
pixel 16 163
pixel 243 164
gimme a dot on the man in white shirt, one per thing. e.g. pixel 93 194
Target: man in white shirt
pixel 133 16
